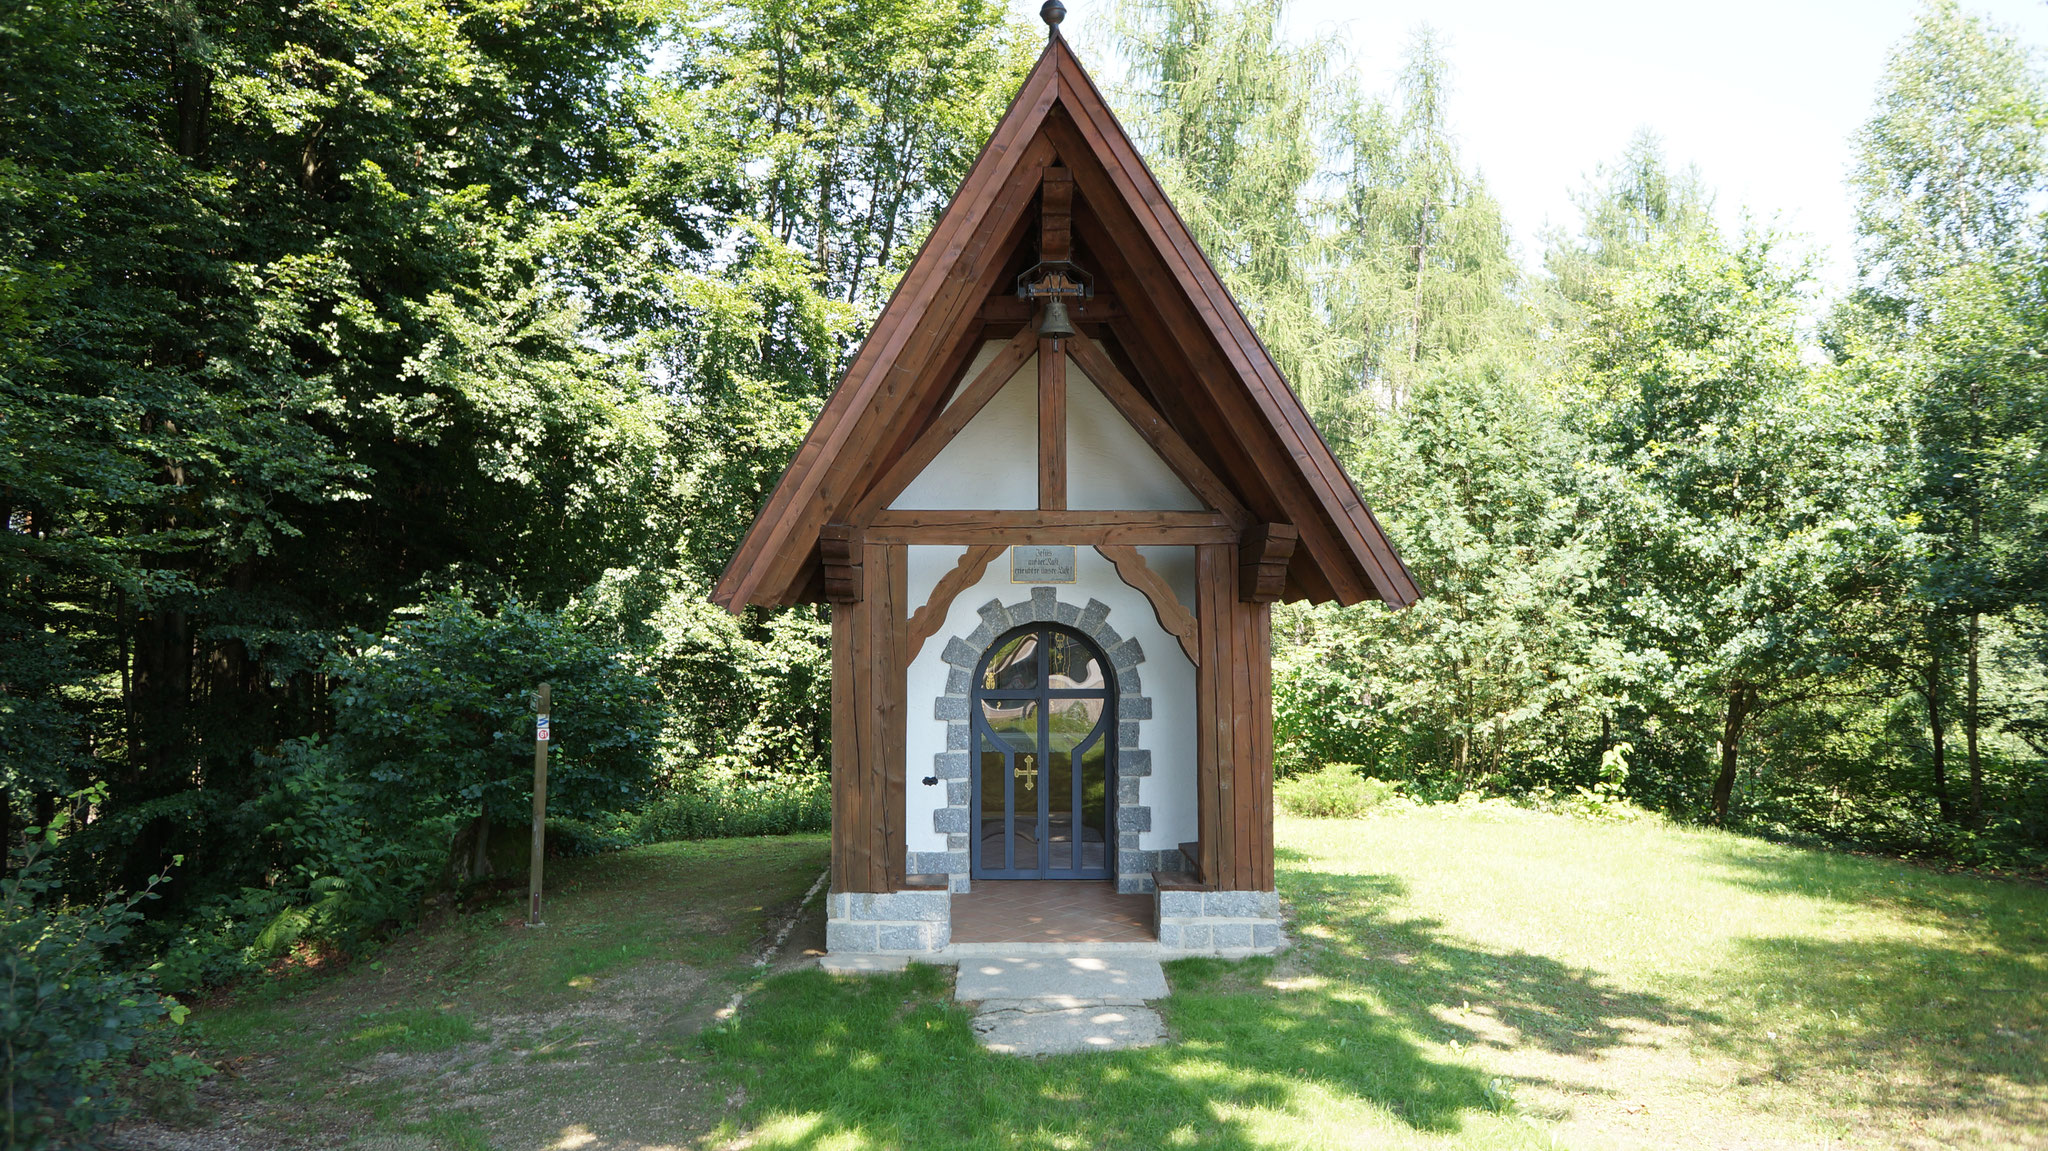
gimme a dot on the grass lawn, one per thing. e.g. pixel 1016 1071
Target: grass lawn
pixel 1462 978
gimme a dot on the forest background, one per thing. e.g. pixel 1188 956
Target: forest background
pixel 363 364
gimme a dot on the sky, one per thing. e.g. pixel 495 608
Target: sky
pixel 1764 96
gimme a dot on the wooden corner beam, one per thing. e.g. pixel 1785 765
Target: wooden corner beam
pixel 839 556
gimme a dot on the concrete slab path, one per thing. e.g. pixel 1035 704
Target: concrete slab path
pixel 1081 978
pixel 1068 1030
pixel 1053 1005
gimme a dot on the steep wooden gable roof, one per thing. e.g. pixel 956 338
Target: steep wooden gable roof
pixel 1179 348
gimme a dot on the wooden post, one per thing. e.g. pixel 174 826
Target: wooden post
pixel 1052 426
pixel 540 807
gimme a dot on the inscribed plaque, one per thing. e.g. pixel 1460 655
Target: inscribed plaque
pixel 1041 564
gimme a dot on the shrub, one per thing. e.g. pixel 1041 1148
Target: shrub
pixel 1337 791
pixel 435 718
pixel 774 807
pixel 72 1019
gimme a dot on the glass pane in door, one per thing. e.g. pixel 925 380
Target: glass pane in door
pixel 1071 664
pixel 1091 838
pixel 1059 798
pixel 990 840
pixel 1013 666
pixel 1015 722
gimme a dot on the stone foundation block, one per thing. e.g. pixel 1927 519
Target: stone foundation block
pixel 844 935
pixel 877 906
pixel 1241 904
pixel 889 921
pixel 1222 935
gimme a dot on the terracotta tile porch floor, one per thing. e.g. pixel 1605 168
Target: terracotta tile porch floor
pixel 1050 911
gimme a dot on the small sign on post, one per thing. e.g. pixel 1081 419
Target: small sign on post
pixel 540 805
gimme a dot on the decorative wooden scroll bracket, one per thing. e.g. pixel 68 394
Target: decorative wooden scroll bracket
pixel 839 556
pixel 1178 621
pixel 932 615
pixel 1262 557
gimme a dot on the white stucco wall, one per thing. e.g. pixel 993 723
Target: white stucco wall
pixel 993 462
pixel 1110 467
pixel 1166 677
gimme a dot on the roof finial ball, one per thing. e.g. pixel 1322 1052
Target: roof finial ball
pixel 1052 12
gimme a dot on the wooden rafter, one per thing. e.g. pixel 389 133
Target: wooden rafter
pixel 971 400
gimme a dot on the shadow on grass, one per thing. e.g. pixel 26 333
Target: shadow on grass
pixel 1350 1038
pixel 1418 973
pixel 892 1062
pixel 1943 975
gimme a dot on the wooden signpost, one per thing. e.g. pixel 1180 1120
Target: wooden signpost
pixel 540 806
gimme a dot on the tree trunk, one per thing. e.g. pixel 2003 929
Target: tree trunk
pixel 1970 718
pixel 481 866
pixel 1741 698
pixel 1937 730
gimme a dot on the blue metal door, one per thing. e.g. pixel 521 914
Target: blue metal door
pixel 1044 748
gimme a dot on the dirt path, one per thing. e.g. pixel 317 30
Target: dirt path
pixel 480 1033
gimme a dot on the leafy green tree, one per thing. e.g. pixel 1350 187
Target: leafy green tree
pixel 1625 208
pixel 439 712
pixel 1749 524
pixel 285 353
pixel 1949 182
pixel 1487 679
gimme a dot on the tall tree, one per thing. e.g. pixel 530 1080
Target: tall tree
pixel 1230 116
pixel 1749 525
pixel 1624 209
pixel 1416 268
pixel 290 352
pixel 1951 171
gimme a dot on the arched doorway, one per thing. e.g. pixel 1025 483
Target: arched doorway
pixel 1044 754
